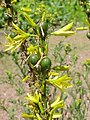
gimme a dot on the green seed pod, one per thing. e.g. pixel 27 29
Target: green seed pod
pixel 88 35
pixel 45 64
pixel 33 59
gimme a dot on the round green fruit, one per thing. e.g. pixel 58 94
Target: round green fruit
pixel 33 59
pixel 88 35
pixel 45 64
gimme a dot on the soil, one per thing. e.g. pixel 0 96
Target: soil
pixel 8 93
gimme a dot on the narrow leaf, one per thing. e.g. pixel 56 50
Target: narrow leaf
pixel 61 68
pixel 9 48
pixel 55 102
pixel 82 28
pixel 26 9
pixel 56 115
pixel 25 79
pixel 18 29
pixel 38 116
pixel 65 28
pixel 31 98
pixel 28 116
pixel 30 20
pixel 41 107
pixel 52 73
pixel 63 33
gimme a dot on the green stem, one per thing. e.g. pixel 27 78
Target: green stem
pixel 44 91
pixel 45 97
pixel 62 108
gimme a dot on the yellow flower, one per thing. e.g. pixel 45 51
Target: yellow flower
pixel 32 49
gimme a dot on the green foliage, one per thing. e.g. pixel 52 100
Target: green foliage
pixel 2 19
pixel 55 11
pixel 35 59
